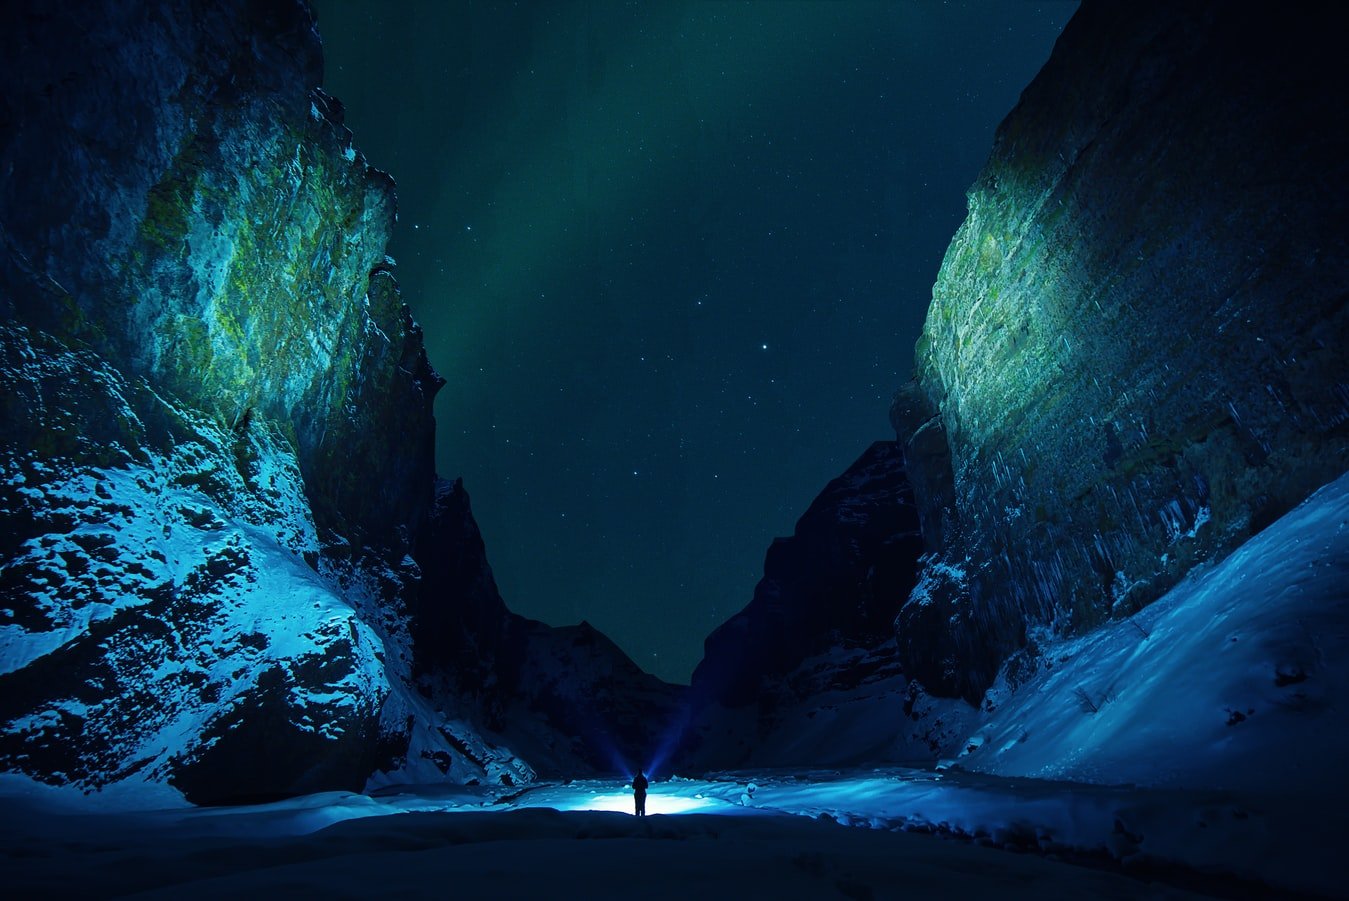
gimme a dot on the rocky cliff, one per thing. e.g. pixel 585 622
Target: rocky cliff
pixel 833 582
pixel 808 673
pixel 567 699
pixel 1133 359
pixel 182 199
pixel 225 566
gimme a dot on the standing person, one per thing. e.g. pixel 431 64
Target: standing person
pixel 639 785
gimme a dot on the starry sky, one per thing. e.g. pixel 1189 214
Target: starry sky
pixel 672 258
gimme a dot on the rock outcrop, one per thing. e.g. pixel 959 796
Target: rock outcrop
pixel 808 673
pixel 162 619
pixel 837 580
pixel 1133 359
pixel 225 566
pixel 181 198
pixel 567 699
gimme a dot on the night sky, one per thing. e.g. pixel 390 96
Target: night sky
pixel 672 258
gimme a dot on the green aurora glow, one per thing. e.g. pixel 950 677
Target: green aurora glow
pixel 672 259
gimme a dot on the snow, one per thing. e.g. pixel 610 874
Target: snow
pixel 1203 733
pixel 1229 682
pixel 576 840
pixel 934 573
pixel 897 814
pixel 228 541
pixel 826 720
pixel 206 533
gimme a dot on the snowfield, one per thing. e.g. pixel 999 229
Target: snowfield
pixel 879 834
pixel 549 841
pixel 1235 679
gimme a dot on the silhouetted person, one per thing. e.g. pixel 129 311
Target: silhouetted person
pixel 639 785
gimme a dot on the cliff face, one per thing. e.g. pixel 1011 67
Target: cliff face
pixel 205 357
pixel 566 699
pixel 182 199
pixel 1133 359
pixel 836 580
pixel 808 673
pixel 225 565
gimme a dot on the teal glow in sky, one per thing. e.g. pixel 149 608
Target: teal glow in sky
pixel 672 259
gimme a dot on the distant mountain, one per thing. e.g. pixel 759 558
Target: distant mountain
pixel 818 635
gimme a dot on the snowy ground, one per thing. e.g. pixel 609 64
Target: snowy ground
pixel 879 834
pixel 1235 679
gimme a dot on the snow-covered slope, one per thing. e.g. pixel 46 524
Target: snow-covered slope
pixel 167 617
pixel 1236 679
pixel 161 611
pixel 1232 681
pixel 577 840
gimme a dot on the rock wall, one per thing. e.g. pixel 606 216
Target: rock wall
pixel 225 564
pixel 1132 362
pixel 808 673
pixel 217 431
pixel 1134 357
pixel 567 699
pixel 838 579
pixel 180 197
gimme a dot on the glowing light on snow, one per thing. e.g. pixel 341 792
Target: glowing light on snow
pixel 623 803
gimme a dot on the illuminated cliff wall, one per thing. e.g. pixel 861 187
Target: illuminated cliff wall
pixel 1134 357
